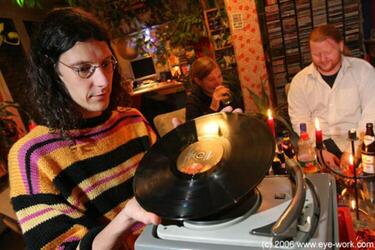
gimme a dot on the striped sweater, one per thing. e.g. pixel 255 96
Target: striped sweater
pixel 65 191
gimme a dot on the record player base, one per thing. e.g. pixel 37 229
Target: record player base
pixel 237 236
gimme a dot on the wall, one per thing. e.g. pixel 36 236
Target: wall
pixel 248 48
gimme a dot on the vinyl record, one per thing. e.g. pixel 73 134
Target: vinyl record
pixel 204 166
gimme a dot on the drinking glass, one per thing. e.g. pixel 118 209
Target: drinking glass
pixel 228 99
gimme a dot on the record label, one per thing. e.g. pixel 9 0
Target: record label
pixel 200 156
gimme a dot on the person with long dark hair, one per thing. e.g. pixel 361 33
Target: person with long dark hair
pixel 71 176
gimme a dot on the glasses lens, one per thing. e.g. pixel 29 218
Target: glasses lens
pixel 109 65
pixel 86 70
pixel 113 62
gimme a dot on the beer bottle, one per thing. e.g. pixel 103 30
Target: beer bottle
pixel 278 164
pixel 368 150
pixel 368 165
pixel 287 145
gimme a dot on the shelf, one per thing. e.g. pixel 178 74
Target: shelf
pixel 220 37
pixel 286 26
pixel 224 48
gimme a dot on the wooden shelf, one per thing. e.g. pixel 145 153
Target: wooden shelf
pixel 220 37
pixel 224 48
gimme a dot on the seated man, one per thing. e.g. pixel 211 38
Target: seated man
pixel 337 89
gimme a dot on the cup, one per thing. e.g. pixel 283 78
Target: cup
pixel 228 99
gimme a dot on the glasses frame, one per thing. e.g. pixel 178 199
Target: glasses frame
pixel 93 67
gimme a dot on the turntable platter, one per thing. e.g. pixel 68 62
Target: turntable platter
pixel 204 166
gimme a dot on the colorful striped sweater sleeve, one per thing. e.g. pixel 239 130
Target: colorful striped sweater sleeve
pixel 65 193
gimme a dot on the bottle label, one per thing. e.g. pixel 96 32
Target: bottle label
pixel 368 139
pixel 368 163
pixel 309 166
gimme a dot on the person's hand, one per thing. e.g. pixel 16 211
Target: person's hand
pixel 220 94
pixel 229 109
pixel 110 237
pixel 330 159
pixel 344 160
pixel 134 211
pixel 176 122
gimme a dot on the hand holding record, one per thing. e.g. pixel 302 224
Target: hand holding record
pixel 204 166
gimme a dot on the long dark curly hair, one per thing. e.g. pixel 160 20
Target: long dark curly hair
pixel 58 33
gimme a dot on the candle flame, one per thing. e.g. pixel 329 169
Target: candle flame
pixel 269 113
pixel 351 160
pixel 343 192
pixel 317 124
pixel 352 204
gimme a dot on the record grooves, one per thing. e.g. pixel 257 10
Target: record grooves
pixel 204 166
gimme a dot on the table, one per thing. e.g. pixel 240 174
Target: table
pixel 163 88
pixel 153 98
pixel 7 214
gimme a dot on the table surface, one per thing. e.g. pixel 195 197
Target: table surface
pixel 170 86
pixel 5 206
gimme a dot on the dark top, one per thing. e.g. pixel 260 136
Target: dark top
pixel 330 79
pixel 198 103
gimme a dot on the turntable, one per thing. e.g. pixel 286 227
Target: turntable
pixel 229 202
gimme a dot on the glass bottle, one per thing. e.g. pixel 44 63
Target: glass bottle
pixel 278 164
pixel 368 150
pixel 368 165
pixel 302 128
pixel 287 145
pixel 306 155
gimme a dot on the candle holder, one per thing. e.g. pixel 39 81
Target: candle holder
pixel 318 135
pixel 361 211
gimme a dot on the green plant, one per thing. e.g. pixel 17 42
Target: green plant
pixel 261 101
pixel 280 113
pixel 187 29
pixel 28 3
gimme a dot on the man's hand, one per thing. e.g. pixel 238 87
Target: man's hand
pixel 110 237
pixel 344 160
pixel 330 159
pixel 134 211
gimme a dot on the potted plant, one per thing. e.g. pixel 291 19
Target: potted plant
pixel 281 116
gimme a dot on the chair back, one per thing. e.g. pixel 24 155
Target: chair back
pixel 163 122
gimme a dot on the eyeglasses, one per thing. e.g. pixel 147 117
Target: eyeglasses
pixel 86 70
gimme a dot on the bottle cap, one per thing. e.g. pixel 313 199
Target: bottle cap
pixel 304 136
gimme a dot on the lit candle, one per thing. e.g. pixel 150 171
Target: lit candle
pixel 271 122
pixel 318 135
pixel 351 163
pixel 352 204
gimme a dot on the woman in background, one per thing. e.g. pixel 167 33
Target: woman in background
pixel 71 176
pixel 208 94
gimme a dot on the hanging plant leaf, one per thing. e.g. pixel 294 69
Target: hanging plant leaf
pixel 21 3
